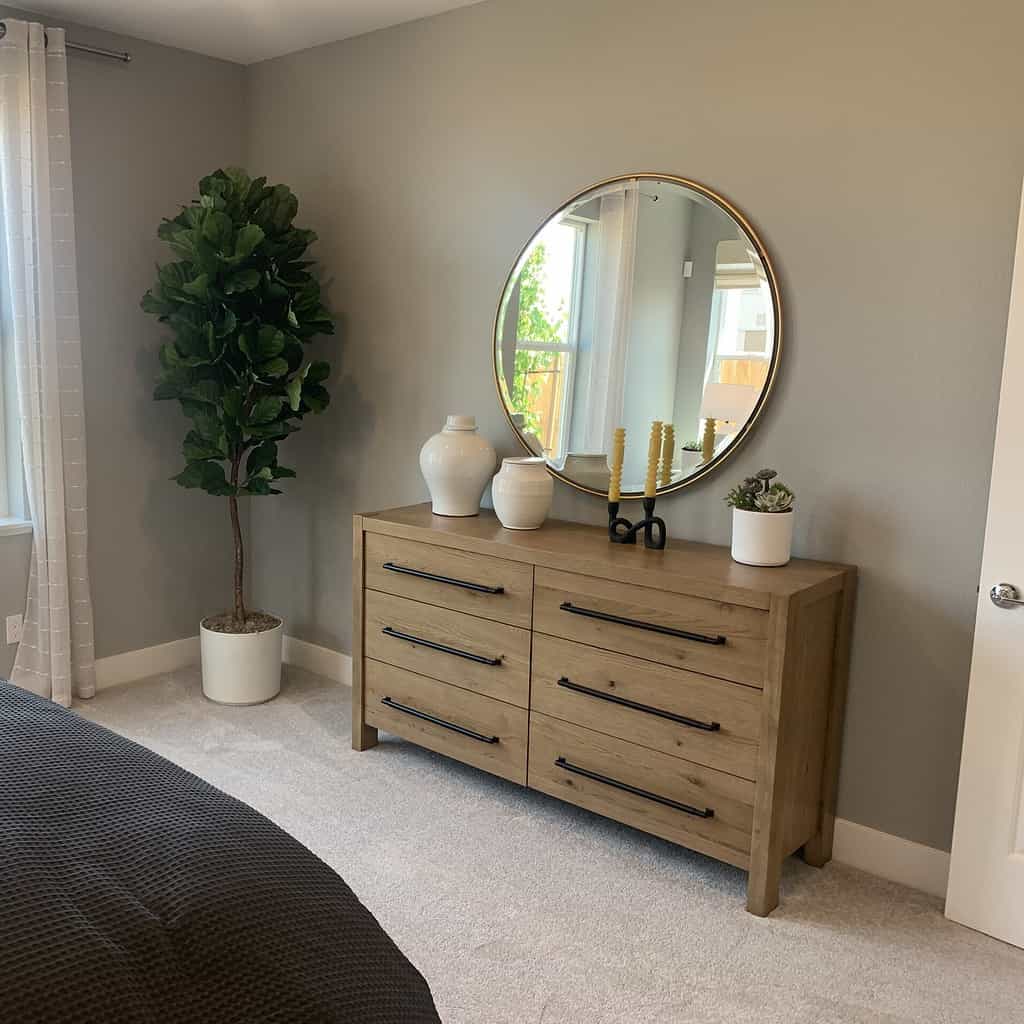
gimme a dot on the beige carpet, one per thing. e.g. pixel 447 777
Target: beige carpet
pixel 521 910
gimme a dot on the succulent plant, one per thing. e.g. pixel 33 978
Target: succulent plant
pixel 742 495
pixel 691 446
pixel 757 493
pixel 778 498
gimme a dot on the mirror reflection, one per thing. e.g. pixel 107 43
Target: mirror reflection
pixel 640 300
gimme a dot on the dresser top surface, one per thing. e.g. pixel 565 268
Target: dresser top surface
pixel 683 567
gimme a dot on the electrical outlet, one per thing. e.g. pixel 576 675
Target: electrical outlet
pixel 14 624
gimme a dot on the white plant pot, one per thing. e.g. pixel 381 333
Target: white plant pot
pixel 456 464
pixel 689 461
pixel 241 668
pixel 762 538
pixel 589 469
pixel 522 493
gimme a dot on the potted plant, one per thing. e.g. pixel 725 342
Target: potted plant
pixel 762 520
pixel 692 456
pixel 243 305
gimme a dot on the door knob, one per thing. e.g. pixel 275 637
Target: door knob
pixel 1005 595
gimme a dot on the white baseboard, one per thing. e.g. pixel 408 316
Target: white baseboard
pixel 132 666
pixel 888 856
pixel 148 661
pixel 321 660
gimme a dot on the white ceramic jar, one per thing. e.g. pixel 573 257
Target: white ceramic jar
pixel 522 493
pixel 456 464
pixel 762 538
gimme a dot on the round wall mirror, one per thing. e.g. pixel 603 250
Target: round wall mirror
pixel 643 298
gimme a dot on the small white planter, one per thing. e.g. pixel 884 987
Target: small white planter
pixel 456 464
pixel 589 469
pixel 762 538
pixel 689 461
pixel 522 493
pixel 241 668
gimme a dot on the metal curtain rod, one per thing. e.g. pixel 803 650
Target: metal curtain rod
pixel 122 55
pixel 97 51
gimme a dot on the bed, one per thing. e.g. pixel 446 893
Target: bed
pixel 132 891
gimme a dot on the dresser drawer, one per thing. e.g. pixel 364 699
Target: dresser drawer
pixel 484 733
pixel 703 719
pixel 490 587
pixel 683 802
pixel 488 657
pixel 719 639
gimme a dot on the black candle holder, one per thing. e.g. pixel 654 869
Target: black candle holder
pixel 622 531
pixel 653 527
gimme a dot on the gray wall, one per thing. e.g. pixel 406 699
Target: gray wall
pixel 874 148
pixel 141 137
pixel 14 561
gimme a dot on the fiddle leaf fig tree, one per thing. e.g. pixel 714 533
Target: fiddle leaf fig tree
pixel 243 305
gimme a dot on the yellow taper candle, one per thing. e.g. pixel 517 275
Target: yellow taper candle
pixel 653 453
pixel 668 442
pixel 618 455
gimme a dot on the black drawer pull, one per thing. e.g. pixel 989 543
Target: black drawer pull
pixel 416 713
pixel 443 648
pixel 480 588
pixel 613 698
pixel 590 613
pixel 707 812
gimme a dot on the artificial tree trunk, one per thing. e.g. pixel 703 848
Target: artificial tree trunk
pixel 236 533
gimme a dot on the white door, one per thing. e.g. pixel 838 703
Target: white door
pixel 986 882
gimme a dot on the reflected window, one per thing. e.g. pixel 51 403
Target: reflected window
pixel 547 301
pixel 740 341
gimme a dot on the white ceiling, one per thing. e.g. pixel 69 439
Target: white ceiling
pixel 243 30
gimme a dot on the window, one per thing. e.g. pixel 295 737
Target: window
pixel 742 321
pixel 741 334
pixel 12 498
pixel 4 499
pixel 547 333
pixel 5 496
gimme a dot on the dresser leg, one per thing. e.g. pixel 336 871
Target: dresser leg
pixel 817 851
pixel 763 886
pixel 363 736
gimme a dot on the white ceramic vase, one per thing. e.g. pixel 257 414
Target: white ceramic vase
pixel 522 493
pixel 241 668
pixel 762 538
pixel 589 469
pixel 456 464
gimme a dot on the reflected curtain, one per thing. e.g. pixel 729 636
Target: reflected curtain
pixel 40 322
pixel 613 316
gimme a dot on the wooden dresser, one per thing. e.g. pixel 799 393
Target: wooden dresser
pixel 676 691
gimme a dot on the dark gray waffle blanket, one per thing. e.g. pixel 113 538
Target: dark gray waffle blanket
pixel 132 891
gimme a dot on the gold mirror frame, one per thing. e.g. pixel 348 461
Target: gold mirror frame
pixel 723 204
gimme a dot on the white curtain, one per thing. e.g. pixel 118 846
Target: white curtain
pixel 39 307
pixel 605 387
